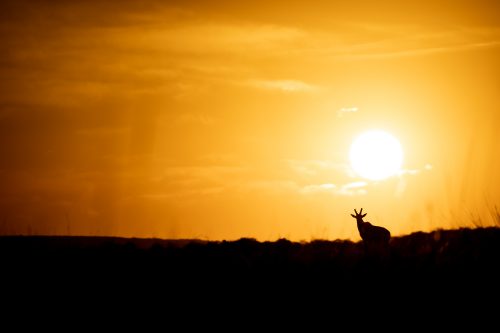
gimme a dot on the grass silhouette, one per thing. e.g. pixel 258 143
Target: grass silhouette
pixel 454 257
pixel 455 270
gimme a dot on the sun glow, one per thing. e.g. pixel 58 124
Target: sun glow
pixel 376 155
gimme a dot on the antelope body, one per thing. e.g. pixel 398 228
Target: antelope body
pixel 375 239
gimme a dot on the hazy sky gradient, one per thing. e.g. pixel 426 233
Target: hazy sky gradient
pixel 223 119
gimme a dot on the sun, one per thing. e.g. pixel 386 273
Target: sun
pixel 376 155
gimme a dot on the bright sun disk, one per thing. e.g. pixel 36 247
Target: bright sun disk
pixel 376 155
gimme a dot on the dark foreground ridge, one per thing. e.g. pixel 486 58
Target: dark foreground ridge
pixel 462 262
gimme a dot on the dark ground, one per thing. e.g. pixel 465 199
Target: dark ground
pixel 441 269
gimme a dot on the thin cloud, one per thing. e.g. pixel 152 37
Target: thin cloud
pixel 188 182
pixel 224 37
pixel 353 189
pixel 349 189
pixel 412 172
pixel 166 53
pixel 425 51
pixel 184 193
pixel 321 188
pixel 288 86
pixel 354 185
pixel 396 41
pixel 346 110
pixel 288 186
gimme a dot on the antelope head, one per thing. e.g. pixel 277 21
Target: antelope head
pixel 359 216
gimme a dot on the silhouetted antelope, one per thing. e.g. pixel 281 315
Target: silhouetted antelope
pixel 375 238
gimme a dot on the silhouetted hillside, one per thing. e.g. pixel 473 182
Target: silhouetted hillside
pixel 463 261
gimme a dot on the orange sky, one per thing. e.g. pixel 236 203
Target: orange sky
pixel 224 119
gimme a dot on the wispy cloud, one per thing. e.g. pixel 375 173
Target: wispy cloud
pixel 288 86
pixel 186 182
pixel 345 110
pixel 221 36
pixel 354 185
pixel 349 189
pixel 354 188
pixel 424 50
pixel 320 188
pixel 426 167
pixel 184 193
pixel 394 41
